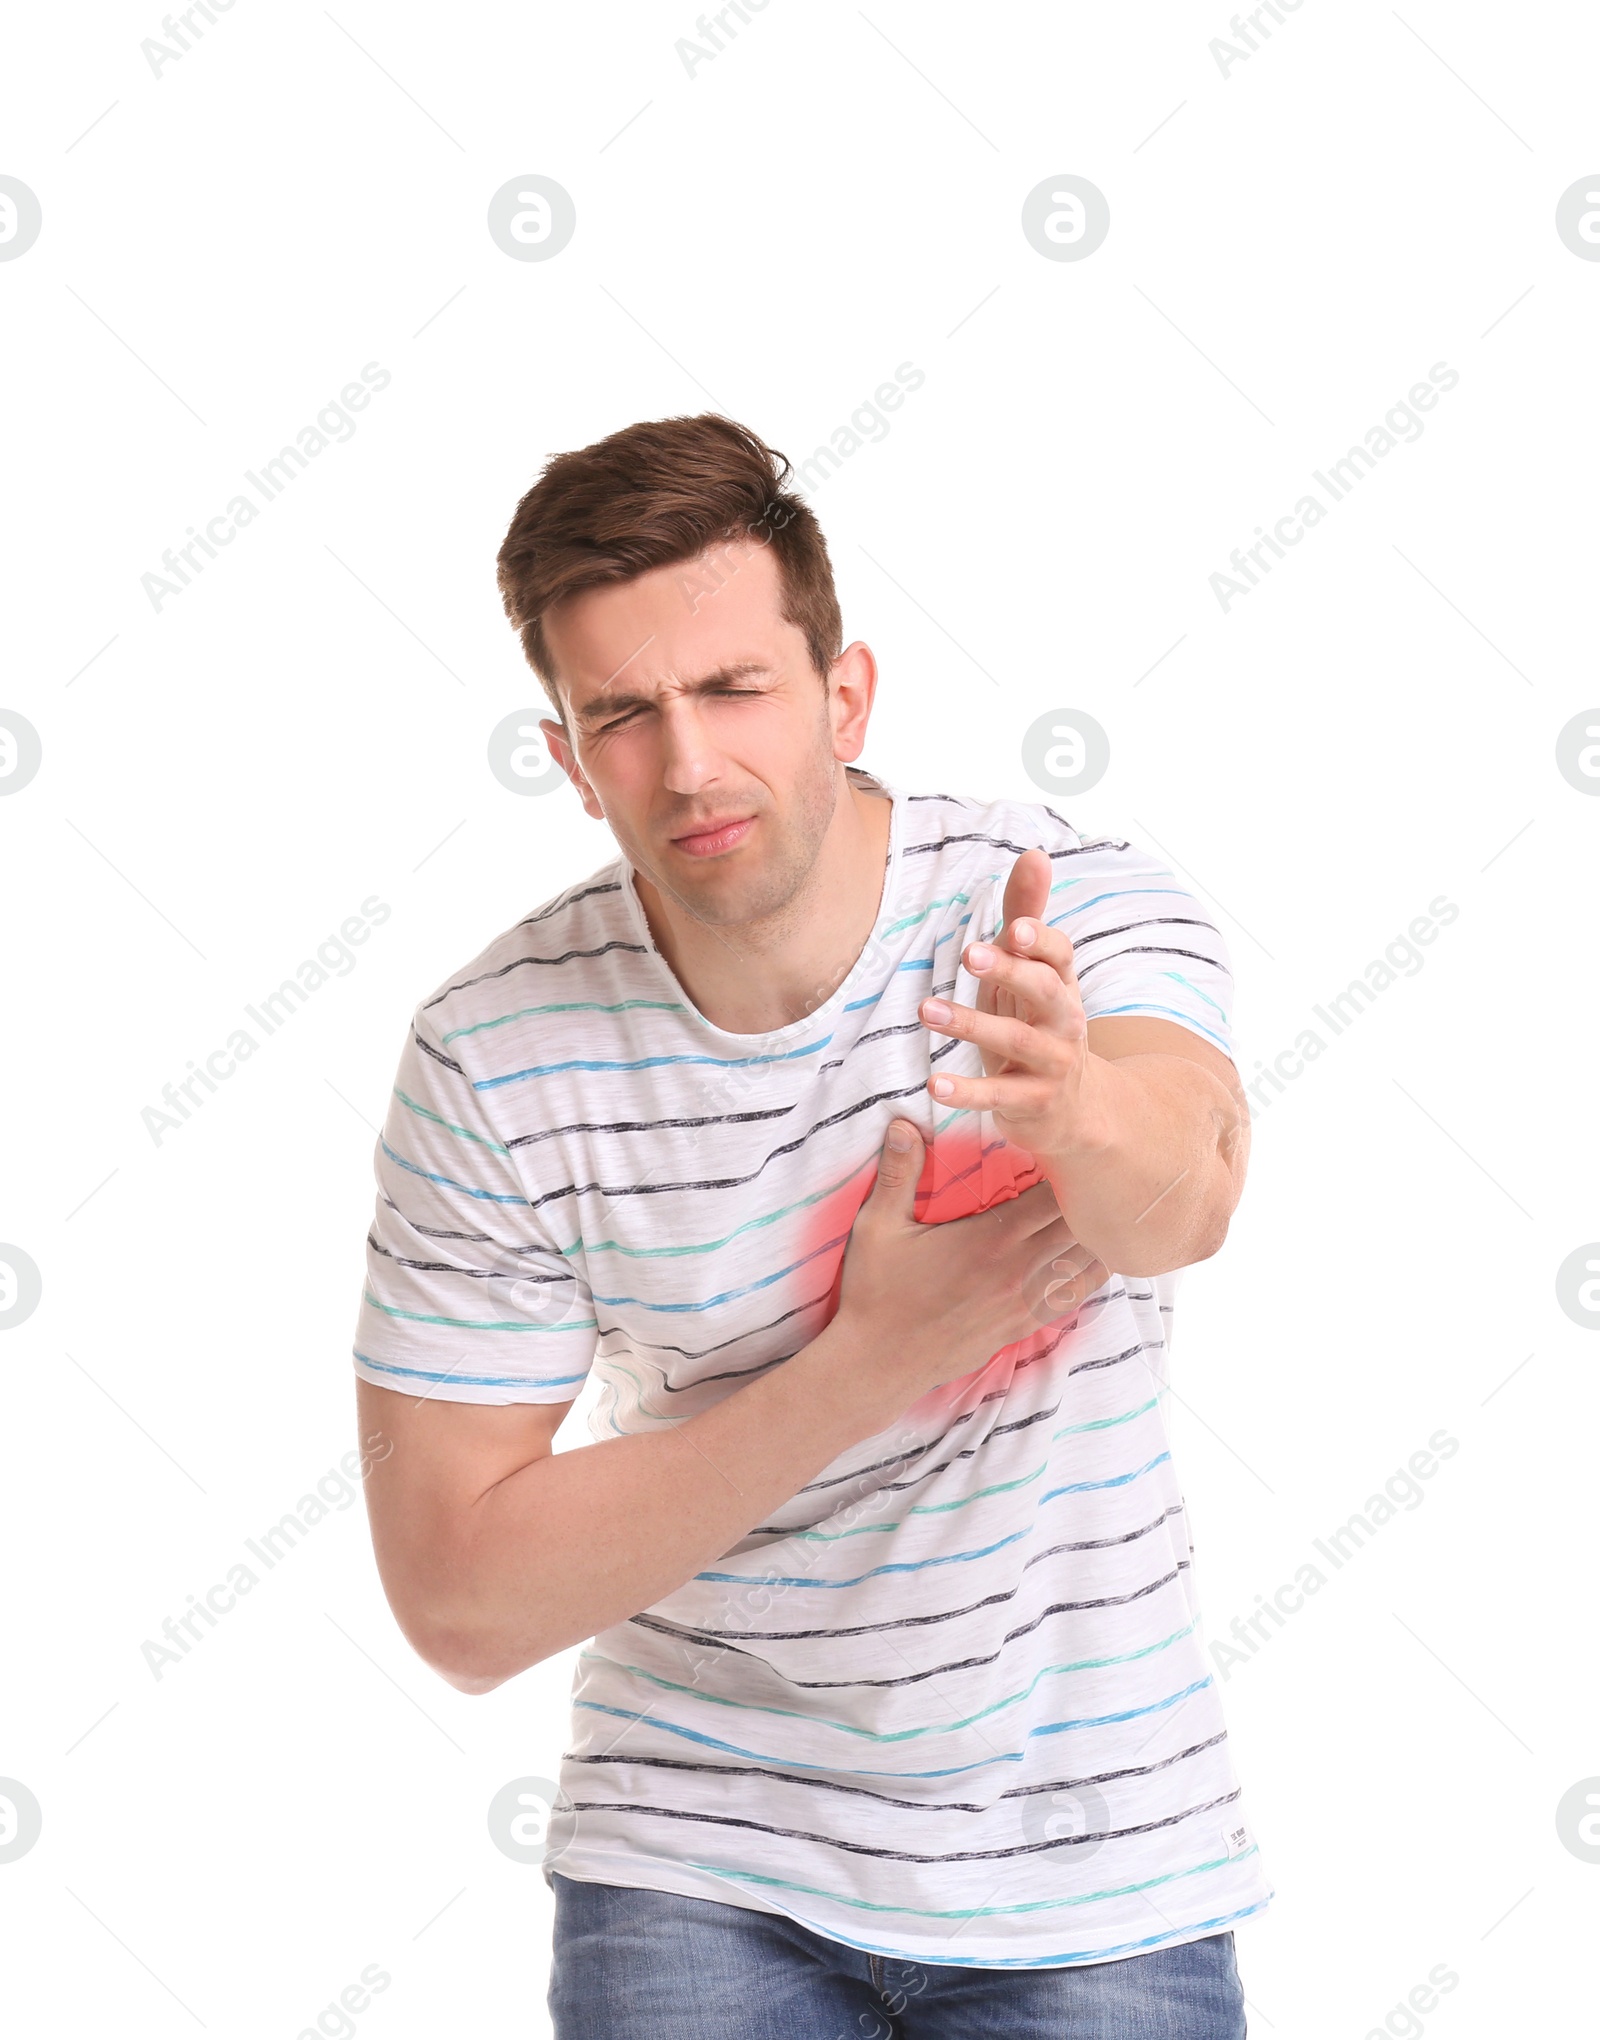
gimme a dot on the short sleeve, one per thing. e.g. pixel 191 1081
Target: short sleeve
pixel 468 1296
pixel 1142 943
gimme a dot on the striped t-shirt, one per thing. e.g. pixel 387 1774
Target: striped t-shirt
pixel 950 1702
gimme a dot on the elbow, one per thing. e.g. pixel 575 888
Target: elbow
pixel 468 1656
pixel 461 1660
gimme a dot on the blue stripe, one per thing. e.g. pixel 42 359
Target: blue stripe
pixel 836 1769
pixel 1076 1487
pixel 473 1380
pixel 1171 1013
pixel 449 1182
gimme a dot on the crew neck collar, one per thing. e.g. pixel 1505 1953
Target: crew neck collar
pixel 849 986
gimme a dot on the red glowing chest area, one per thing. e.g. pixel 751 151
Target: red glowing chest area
pixel 967 1168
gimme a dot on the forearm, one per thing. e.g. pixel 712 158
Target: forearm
pixel 582 1539
pixel 1155 1178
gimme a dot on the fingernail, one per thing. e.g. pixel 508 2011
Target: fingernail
pixel 1023 933
pixel 935 1010
pixel 942 1087
pixel 980 956
pixel 898 1137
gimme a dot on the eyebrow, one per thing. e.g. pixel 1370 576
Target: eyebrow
pixel 613 703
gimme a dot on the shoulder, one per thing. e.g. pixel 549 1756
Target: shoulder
pixel 585 920
pixel 978 835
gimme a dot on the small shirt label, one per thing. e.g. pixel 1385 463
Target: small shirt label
pixel 1236 1838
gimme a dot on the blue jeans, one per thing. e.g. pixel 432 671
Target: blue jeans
pixel 631 1964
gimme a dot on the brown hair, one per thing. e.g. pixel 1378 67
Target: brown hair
pixel 648 496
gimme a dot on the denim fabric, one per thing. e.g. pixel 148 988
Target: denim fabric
pixel 633 1964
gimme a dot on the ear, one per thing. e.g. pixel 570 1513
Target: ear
pixel 852 683
pixel 566 758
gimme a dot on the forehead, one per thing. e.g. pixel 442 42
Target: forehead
pixel 673 623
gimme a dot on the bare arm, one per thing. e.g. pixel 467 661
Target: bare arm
pixel 496 1551
pixel 1156 1184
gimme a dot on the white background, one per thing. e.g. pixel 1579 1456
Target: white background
pixel 225 780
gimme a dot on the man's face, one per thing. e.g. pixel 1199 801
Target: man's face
pixel 702 733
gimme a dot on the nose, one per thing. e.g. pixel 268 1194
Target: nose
pixel 689 760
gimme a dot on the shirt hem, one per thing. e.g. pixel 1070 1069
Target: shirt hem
pixel 591 1866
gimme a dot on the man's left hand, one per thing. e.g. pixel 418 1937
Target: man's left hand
pixel 1030 1028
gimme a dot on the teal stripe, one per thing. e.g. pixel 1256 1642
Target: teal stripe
pixel 1190 986
pixel 449 1182
pixel 647 1062
pixel 986 1912
pixel 565 1006
pixel 1073 1959
pixel 449 1125
pixel 466 1324
pixel 1000 1487
pixel 906 921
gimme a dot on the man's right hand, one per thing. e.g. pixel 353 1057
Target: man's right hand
pixel 940 1300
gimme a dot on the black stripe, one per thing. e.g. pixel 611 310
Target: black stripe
pixel 438 1054
pixel 825 1784
pixel 966 1664
pixel 644 1125
pixel 698 1634
pixel 998 1394
pixel 612 1191
pixel 517 963
pixel 518 1275
pixel 638 1348
pixel 762 1827
pixel 1144 949
pixel 894 1487
pixel 584 892
pixel 1005 843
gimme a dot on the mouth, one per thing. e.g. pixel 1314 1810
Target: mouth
pixel 711 839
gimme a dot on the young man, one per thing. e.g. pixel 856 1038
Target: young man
pixel 853 1138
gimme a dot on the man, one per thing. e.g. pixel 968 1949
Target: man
pixel 852 1138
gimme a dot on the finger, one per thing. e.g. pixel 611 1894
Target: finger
pixel 1027 885
pixel 1051 994
pixel 1019 1097
pixel 1036 1046
pixel 1032 936
pixel 899 1167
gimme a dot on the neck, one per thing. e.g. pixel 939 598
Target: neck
pixel 756 976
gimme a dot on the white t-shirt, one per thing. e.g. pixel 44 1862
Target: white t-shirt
pixel 950 1702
